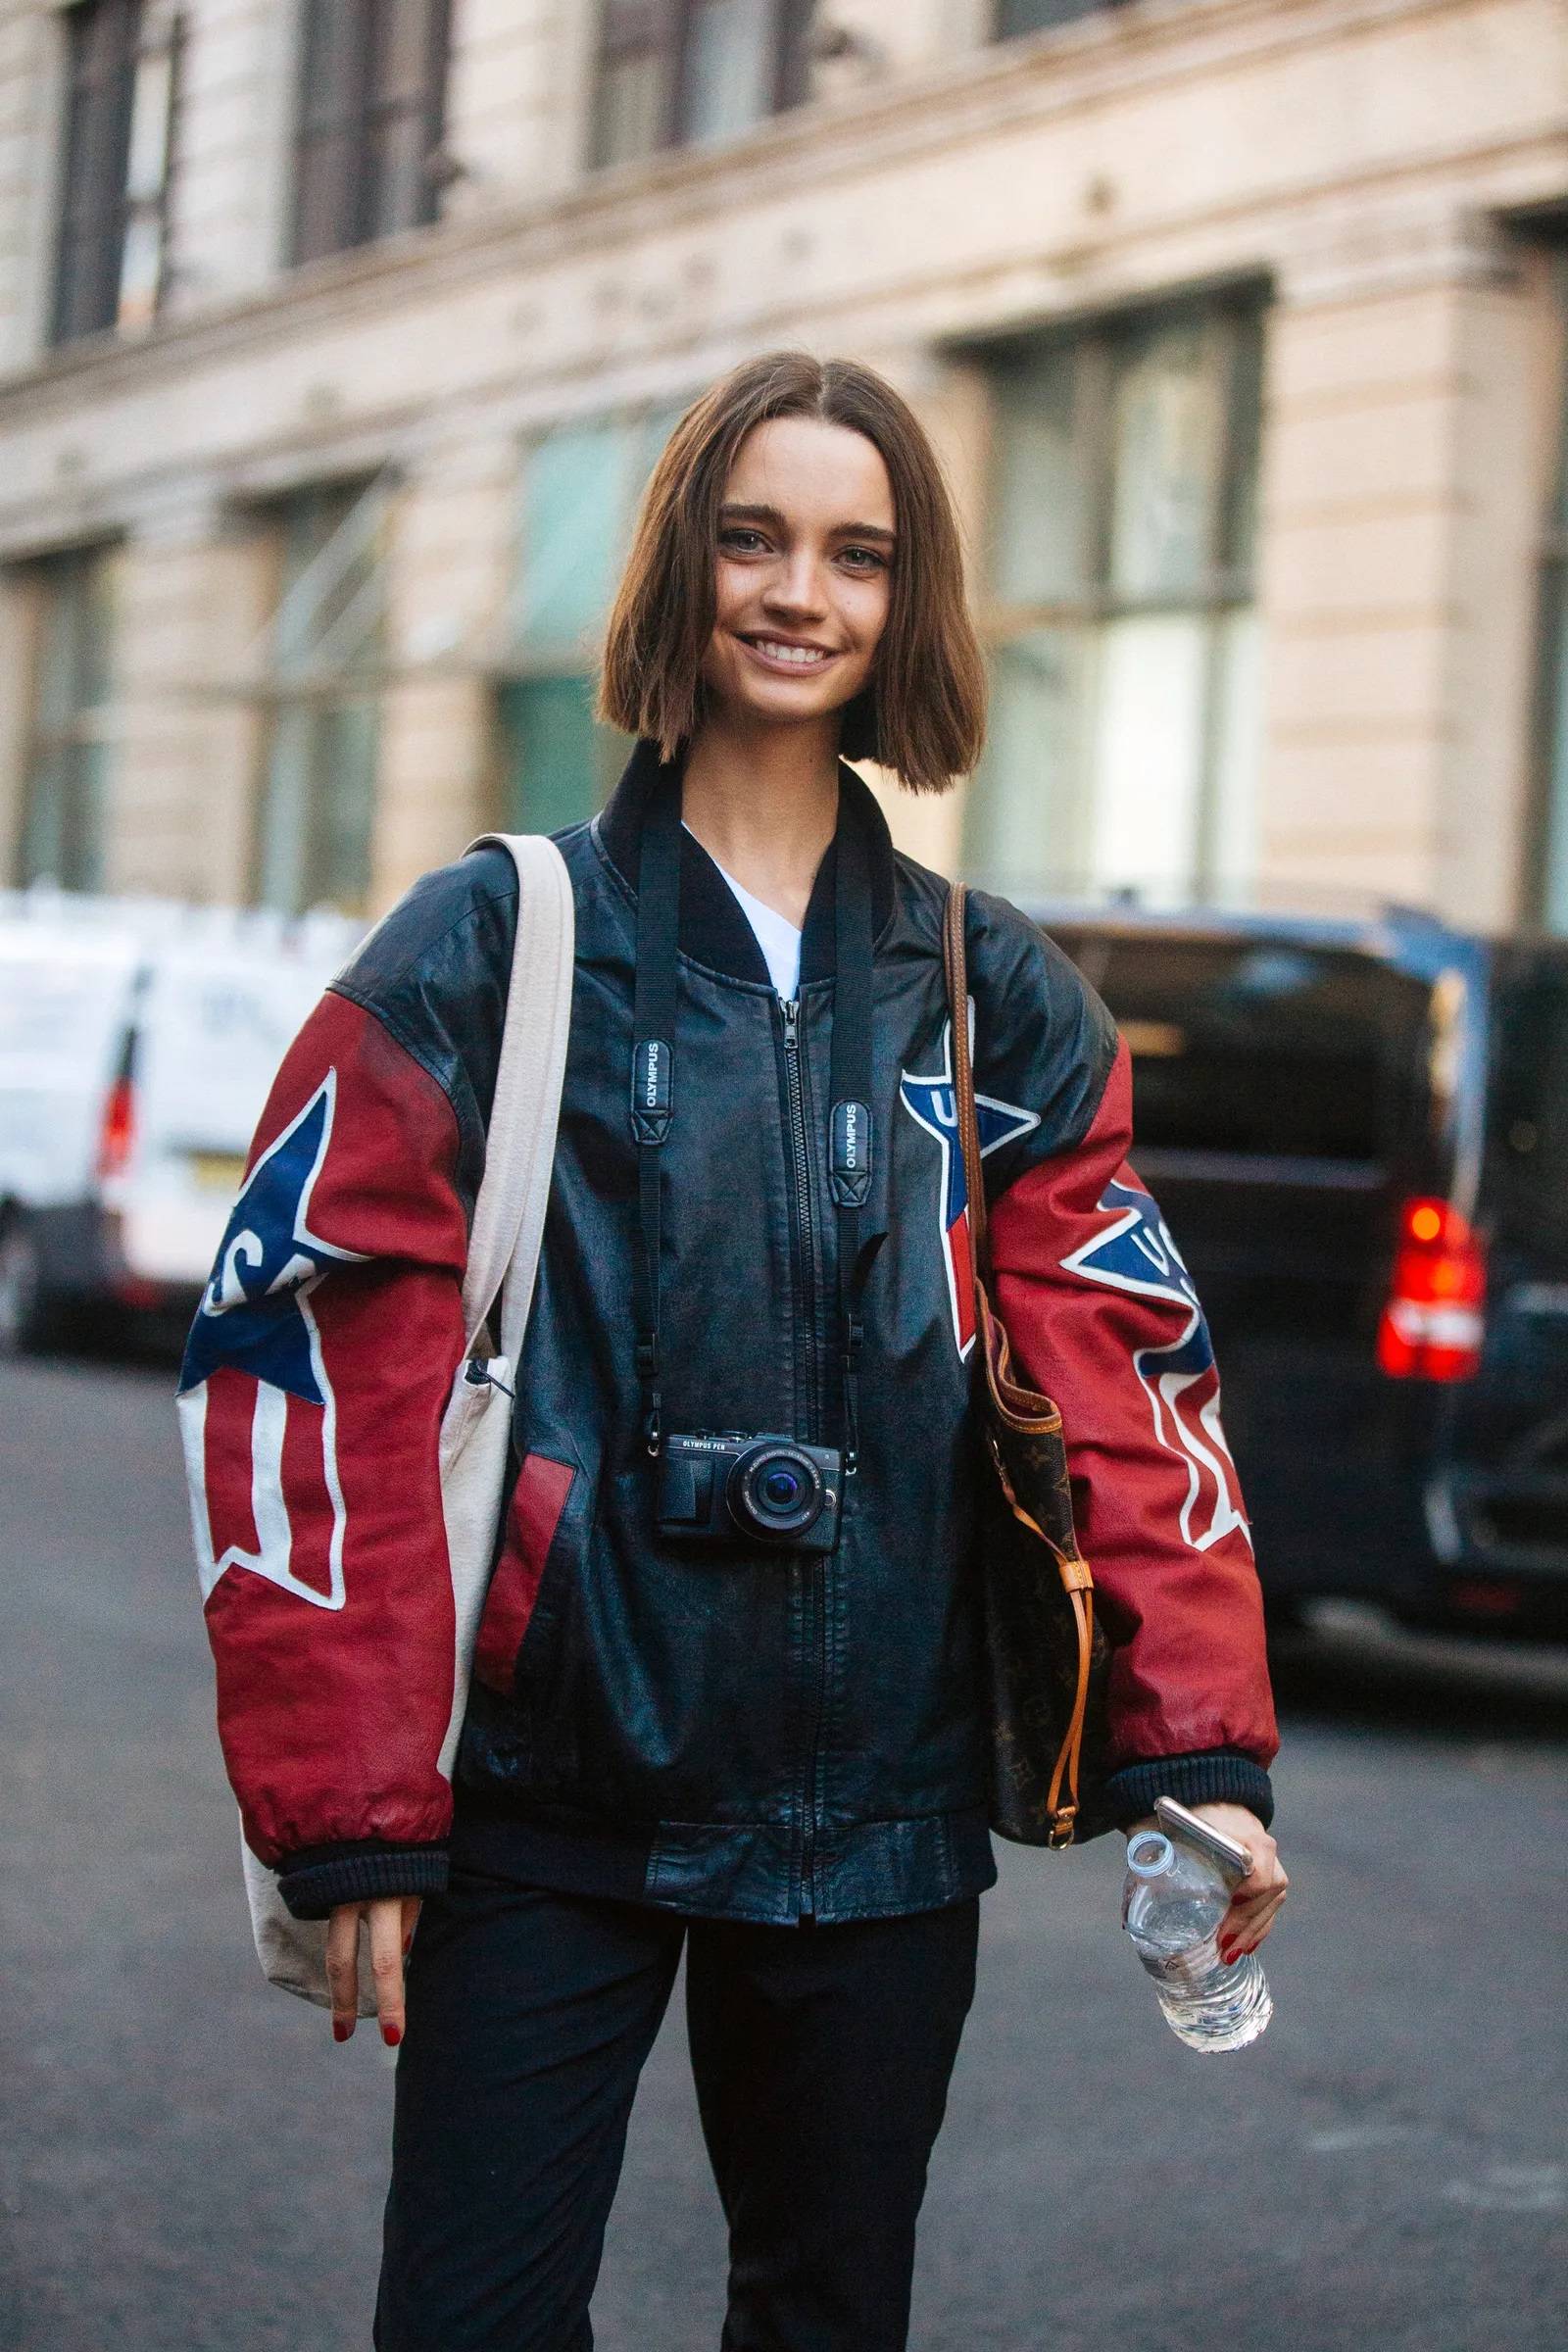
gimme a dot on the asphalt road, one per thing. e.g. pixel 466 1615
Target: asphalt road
pixel 187 2161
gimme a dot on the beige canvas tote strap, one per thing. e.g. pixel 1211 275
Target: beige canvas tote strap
pixel 520 1140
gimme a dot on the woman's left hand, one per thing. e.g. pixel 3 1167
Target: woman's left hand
pixel 1256 1901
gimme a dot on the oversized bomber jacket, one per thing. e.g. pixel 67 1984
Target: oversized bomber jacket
pixel 742 1731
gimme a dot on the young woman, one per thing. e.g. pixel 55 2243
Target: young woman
pixel 725 1689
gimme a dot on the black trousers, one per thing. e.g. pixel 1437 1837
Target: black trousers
pixel 821 2057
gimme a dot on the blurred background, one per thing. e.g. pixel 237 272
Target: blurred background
pixel 337 338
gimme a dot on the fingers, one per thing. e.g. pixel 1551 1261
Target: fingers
pixel 386 1965
pixel 1265 1882
pixel 1266 1872
pixel 1256 1901
pixel 343 1968
pixel 1246 1924
pixel 390 1920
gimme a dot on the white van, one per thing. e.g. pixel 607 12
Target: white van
pixel 137 1042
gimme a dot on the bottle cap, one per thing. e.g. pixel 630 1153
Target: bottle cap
pixel 1149 1854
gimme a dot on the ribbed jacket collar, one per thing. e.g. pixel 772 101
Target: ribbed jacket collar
pixel 712 928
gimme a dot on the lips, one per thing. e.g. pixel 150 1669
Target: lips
pixel 789 658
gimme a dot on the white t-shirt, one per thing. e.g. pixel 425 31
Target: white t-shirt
pixel 779 939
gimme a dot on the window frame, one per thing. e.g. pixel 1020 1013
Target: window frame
pixel 305 696
pixel 1077 11
pixel 670 27
pixel 79 734
pixel 1226 583
pixel 1226 587
pixel 364 113
pixel 104 205
pixel 535 656
pixel 1544 883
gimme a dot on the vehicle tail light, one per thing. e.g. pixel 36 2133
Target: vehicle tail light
pixel 1486 1599
pixel 1433 1324
pixel 118 1135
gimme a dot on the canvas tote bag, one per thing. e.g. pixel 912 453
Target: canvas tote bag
pixel 502 1259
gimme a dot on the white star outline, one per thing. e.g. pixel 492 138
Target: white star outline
pixel 1165 1389
pixel 272 1558
pixel 1011 1121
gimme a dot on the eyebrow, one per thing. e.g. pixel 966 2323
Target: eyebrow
pixel 840 531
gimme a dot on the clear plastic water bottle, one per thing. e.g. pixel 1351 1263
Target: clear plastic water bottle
pixel 1172 1904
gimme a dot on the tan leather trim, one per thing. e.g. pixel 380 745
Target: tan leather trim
pixel 1013 1403
pixel 954 959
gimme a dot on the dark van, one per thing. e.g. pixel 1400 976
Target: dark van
pixel 1358 1136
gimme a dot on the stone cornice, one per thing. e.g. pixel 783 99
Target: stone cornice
pixel 1000 89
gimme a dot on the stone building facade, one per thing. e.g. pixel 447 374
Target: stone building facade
pixel 336 337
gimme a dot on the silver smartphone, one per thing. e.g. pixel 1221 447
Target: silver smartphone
pixel 1228 1854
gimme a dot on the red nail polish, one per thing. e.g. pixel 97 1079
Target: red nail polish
pixel 391 2035
pixel 340 2028
pixel 408 1945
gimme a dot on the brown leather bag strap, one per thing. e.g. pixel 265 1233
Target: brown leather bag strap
pixel 955 961
pixel 1008 1402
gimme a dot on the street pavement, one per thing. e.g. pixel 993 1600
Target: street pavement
pixel 187 2162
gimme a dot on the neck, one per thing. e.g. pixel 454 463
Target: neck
pixel 763 802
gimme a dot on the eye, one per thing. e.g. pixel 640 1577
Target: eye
pixel 863 559
pixel 735 534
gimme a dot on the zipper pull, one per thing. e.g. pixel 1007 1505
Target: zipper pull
pixel 791 1008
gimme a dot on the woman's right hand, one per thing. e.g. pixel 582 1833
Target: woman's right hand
pixel 389 1919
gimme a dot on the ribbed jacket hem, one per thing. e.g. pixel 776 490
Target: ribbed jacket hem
pixel 314 1883
pixel 1212 1776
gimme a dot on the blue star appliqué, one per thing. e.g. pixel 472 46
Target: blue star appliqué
pixel 933 1104
pixel 1136 1252
pixel 254 1316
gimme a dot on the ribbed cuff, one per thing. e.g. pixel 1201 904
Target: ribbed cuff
pixel 1211 1776
pixel 315 1882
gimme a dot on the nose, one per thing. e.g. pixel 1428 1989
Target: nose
pixel 794 591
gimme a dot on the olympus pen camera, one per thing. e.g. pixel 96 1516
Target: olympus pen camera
pixel 723 1486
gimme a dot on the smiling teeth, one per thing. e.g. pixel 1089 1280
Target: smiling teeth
pixel 804 657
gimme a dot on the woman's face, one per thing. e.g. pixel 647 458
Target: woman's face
pixel 803 565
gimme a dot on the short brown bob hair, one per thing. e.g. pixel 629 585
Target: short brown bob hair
pixel 922 714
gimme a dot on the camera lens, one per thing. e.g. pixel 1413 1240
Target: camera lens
pixel 775 1490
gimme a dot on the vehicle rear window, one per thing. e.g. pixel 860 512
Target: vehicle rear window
pixel 1529 1109
pixel 1262 1047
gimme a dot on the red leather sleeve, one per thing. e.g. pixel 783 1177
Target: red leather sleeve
pixel 312 1395
pixel 1102 1316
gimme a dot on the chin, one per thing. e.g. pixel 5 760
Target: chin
pixel 782 705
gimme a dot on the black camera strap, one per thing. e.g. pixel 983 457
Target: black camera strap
pixel 652 1063
pixel 653 1087
pixel 851 1143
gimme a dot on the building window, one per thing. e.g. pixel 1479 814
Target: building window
pixel 64 806
pixel 1554 699
pixel 101 37
pixel 1015 16
pixel 581 483
pixel 326 648
pixel 372 94
pixel 679 72
pixel 1118 607
pixel 120 95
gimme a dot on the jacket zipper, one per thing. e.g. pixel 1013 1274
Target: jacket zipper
pixel 806 1226
pixel 811 1567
